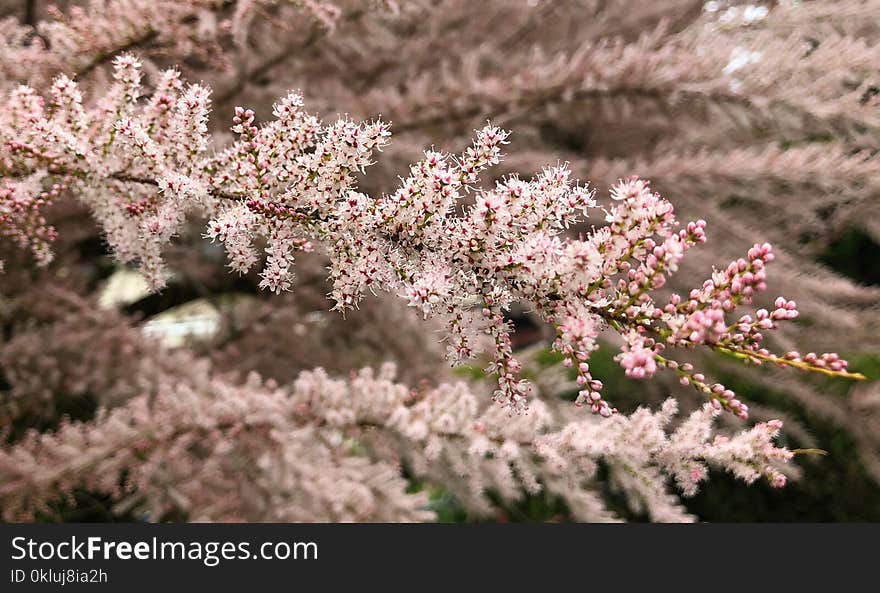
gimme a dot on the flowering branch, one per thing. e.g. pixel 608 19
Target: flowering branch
pixel 143 166
pixel 313 451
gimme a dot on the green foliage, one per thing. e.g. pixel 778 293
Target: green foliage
pixel 855 254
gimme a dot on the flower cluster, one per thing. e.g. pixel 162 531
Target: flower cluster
pixel 157 456
pixel 92 153
pixel 21 215
pixel 457 251
pixel 83 37
pixel 468 264
pixel 324 449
